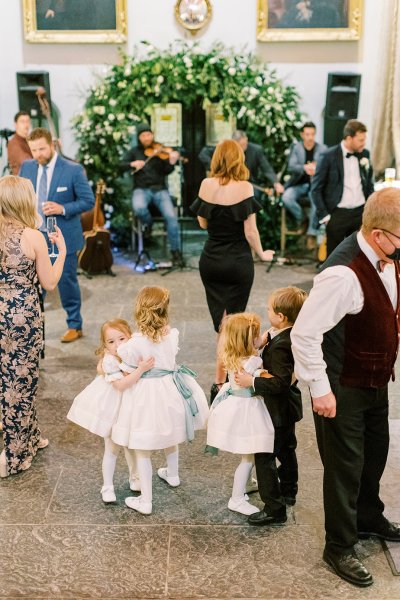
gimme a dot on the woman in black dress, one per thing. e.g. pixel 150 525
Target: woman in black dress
pixel 226 208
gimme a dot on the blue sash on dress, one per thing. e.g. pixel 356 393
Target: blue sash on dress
pixel 189 402
pixel 243 393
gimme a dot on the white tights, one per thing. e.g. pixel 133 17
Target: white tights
pixel 145 469
pixel 242 475
pixel 111 451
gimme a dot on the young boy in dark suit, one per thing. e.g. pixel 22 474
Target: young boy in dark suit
pixel 277 385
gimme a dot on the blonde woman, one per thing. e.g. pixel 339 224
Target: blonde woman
pixel 166 405
pixel 23 259
pixel 227 209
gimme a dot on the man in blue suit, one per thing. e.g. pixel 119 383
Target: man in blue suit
pixel 63 191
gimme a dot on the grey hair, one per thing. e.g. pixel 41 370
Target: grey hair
pixel 239 134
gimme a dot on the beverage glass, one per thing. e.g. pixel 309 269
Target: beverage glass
pixel 390 176
pixel 51 228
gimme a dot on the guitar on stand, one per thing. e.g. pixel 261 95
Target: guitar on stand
pixel 96 256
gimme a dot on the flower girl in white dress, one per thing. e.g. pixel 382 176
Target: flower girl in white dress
pixel 239 421
pixel 166 406
pixel 96 407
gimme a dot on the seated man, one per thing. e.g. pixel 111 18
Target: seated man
pixel 303 160
pixel 255 160
pixel 149 178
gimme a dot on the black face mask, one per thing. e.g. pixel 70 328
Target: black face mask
pixel 394 255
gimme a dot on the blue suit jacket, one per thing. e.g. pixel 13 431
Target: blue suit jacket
pixel 70 188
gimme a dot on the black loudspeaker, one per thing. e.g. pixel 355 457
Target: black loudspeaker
pixel 342 96
pixel 27 83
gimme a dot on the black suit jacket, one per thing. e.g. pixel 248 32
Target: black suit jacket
pixel 282 399
pixel 327 183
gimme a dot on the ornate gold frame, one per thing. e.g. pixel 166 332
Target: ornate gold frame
pixel 350 33
pixel 193 28
pixel 89 36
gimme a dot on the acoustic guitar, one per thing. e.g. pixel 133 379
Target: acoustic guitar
pixel 96 256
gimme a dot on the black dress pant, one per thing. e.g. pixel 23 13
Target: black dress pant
pixel 343 222
pixel 353 448
pixel 274 483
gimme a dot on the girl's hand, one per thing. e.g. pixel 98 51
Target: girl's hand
pixel 243 379
pixel 267 255
pixel 100 367
pixel 146 365
pixel 57 238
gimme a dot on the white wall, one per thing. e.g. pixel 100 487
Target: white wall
pixel 72 68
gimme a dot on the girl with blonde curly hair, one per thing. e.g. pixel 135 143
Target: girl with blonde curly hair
pixel 239 421
pixel 166 405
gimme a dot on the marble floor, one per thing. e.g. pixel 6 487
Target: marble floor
pixel 58 540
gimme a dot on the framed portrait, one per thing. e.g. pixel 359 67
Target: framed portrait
pixel 308 20
pixel 74 21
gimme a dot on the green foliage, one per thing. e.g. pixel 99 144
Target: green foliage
pixel 246 88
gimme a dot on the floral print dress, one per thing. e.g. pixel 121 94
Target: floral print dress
pixel 20 345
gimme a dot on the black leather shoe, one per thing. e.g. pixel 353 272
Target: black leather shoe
pixel 262 518
pixel 290 500
pixel 385 530
pixel 349 568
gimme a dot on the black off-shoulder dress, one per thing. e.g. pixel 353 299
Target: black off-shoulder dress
pixel 226 263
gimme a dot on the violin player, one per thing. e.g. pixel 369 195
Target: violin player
pixel 150 169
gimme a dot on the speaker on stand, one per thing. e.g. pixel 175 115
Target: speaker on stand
pixel 28 82
pixel 342 97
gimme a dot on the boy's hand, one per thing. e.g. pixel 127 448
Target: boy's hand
pixel 146 364
pixel 243 379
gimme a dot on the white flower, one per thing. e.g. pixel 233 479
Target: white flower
pixel 241 112
pixel 102 141
pixel 127 71
pixel 111 117
pixel 232 71
pixel 364 162
pixel 99 110
pixel 116 135
pixel 160 79
pixel 112 102
pixel 121 85
pixel 120 116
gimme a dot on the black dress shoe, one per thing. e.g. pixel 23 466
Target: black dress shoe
pixel 385 530
pixel 349 568
pixel 290 500
pixel 262 518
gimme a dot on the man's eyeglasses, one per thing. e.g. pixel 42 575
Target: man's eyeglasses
pixel 393 234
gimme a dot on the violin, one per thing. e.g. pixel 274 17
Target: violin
pixel 161 151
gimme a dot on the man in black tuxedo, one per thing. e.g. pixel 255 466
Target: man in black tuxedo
pixel 342 183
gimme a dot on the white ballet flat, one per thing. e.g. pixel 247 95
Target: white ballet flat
pixel 136 503
pixel 108 494
pixel 135 485
pixel 242 506
pixel 172 481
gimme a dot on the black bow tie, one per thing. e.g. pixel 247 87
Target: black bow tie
pixel 349 154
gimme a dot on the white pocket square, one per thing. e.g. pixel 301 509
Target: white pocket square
pixel 62 189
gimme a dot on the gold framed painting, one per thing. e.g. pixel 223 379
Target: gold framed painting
pixel 74 21
pixel 308 20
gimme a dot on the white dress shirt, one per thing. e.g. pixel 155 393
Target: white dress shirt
pixel 353 194
pixel 336 293
pixel 50 171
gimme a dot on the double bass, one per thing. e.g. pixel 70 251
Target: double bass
pixel 96 256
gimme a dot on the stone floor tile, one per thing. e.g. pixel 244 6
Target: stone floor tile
pixel 83 562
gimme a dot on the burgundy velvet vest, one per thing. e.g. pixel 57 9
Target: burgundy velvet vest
pixel 361 350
